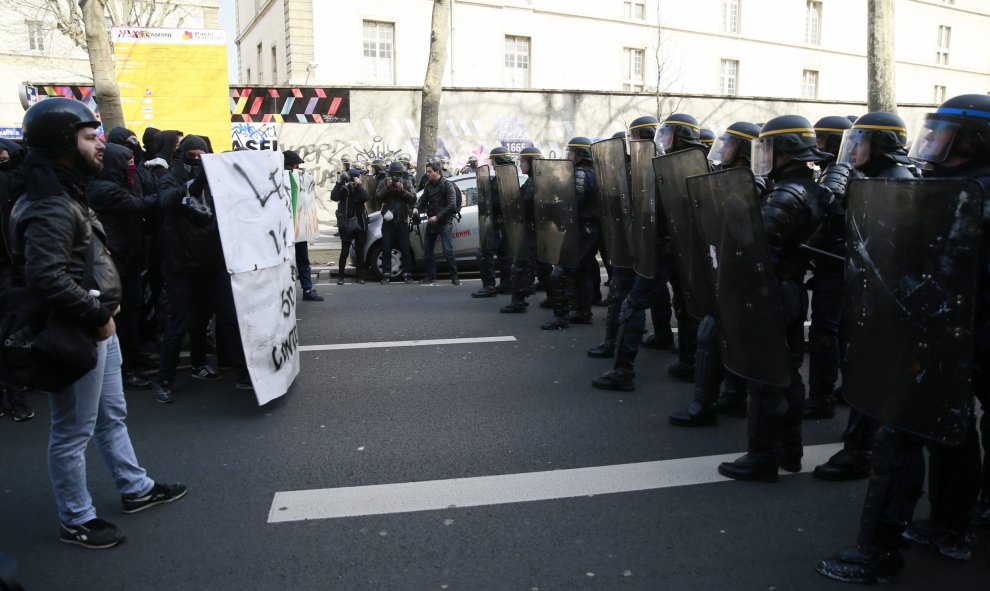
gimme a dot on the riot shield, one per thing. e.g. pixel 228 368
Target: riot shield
pixel 615 200
pixel 671 173
pixel 512 207
pixel 644 198
pixel 555 202
pixel 912 269
pixel 486 221
pixel 371 185
pixel 747 303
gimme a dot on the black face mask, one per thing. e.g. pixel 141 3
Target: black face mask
pixel 191 165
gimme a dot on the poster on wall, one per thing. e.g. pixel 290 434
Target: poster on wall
pixel 254 136
pixel 173 79
pixel 289 105
pixel 254 214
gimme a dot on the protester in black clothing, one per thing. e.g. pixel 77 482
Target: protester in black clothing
pixel 350 192
pixel 116 198
pixel 197 283
pixel 395 197
pixel 149 139
pixel 439 199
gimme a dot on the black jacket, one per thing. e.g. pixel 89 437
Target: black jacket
pixel 792 212
pixel 396 199
pixel 188 245
pixel 120 208
pixel 351 201
pixel 439 199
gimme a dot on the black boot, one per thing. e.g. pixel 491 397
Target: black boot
pixel 863 564
pixel 620 378
pixel 558 323
pixel 820 404
pixel 487 291
pixel 681 371
pixel 696 415
pixel 133 381
pixel 844 465
pixel 603 350
pixel 752 467
pixel 513 308
pixel 760 462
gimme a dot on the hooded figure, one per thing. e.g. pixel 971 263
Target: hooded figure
pixel 115 196
pixel 166 144
pixel 14 155
pixel 150 142
pixel 191 240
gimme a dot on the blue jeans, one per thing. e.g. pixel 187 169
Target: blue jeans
pixel 444 232
pixel 93 407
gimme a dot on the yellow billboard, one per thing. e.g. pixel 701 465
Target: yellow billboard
pixel 174 79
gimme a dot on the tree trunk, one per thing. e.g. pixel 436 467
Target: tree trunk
pixel 880 56
pixel 101 62
pixel 430 110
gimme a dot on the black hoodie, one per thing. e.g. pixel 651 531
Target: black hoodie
pixel 120 207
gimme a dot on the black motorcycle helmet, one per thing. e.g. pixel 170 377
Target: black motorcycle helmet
pixel 581 146
pixel 883 133
pixel 643 128
pixel 791 135
pixel 829 132
pixel 396 169
pixel 500 155
pixel 960 127
pixel 678 126
pixel 735 143
pixel 50 125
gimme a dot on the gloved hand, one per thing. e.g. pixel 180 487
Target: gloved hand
pixel 196 187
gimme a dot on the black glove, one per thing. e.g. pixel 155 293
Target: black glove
pixel 196 187
pixel 196 211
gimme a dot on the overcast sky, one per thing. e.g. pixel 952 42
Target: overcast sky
pixel 228 22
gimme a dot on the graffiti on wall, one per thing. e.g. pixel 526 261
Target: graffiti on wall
pixel 254 136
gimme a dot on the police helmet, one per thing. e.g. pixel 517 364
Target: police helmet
pixel 378 165
pixel 643 128
pixel 735 143
pixel 581 146
pixel 50 125
pixel 828 131
pixel 960 126
pixel 619 135
pixel 791 135
pixel 405 160
pixel 500 155
pixel 396 168
pixel 706 136
pixel 680 126
pixel 530 152
pixel 473 159
pixel 883 132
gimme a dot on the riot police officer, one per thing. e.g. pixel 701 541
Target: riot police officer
pixel 707 138
pixel 495 254
pixel 395 197
pixel 732 149
pixel 791 214
pixel 471 166
pixel 524 267
pixel 955 142
pixel 828 133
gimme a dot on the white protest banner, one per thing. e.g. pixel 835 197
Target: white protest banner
pixel 307 216
pixel 254 214
pixel 266 315
pixel 254 208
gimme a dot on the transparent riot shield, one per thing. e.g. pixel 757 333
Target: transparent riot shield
pixel 556 212
pixel 371 185
pixel 614 197
pixel 512 207
pixel 644 198
pixel 747 302
pixel 671 173
pixel 486 220
pixel 912 270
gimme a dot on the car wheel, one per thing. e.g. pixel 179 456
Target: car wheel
pixel 375 260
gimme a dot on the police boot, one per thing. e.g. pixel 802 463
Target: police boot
pixel 660 340
pixel 844 465
pixel 607 347
pixel 487 291
pixel 620 378
pixel 558 323
pixel 820 403
pixel 681 371
pixel 708 374
pixel 515 307
pixel 760 462
pixel 696 415
pixel 863 564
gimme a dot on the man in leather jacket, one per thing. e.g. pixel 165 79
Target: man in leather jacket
pixel 395 196
pixel 53 230
pixel 439 199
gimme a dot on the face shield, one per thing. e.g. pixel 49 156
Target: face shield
pixel 934 140
pixel 762 159
pixel 724 149
pixel 664 138
pixel 855 148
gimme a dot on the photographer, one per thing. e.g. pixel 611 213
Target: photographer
pixel 439 201
pixel 395 197
pixel 350 193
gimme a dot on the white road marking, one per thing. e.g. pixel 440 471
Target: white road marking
pixel 332 503
pixel 417 343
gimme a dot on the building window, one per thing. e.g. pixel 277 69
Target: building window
pixel 942 50
pixel 379 54
pixel 939 95
pixel 809 84
pixel 516 62
pixel 635 9
pixel 274 65
pixel 36 40
pixel 632 69
pixel 261 70
pixel 730 16
pixel 728 77
pixel 813 23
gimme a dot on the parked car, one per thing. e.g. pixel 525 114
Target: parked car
pixel 464 231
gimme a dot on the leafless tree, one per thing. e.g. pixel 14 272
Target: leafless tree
pixel 432 85
pixel 66 16
pixel 665 70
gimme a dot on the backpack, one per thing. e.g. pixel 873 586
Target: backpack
pixel 458 201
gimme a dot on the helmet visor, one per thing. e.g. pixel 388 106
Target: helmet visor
pixel 855 148
pixel 934 140
pixel 762 159
pixel 664 138
pixel 724 149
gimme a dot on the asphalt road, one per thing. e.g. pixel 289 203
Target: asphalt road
pixel 409 414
